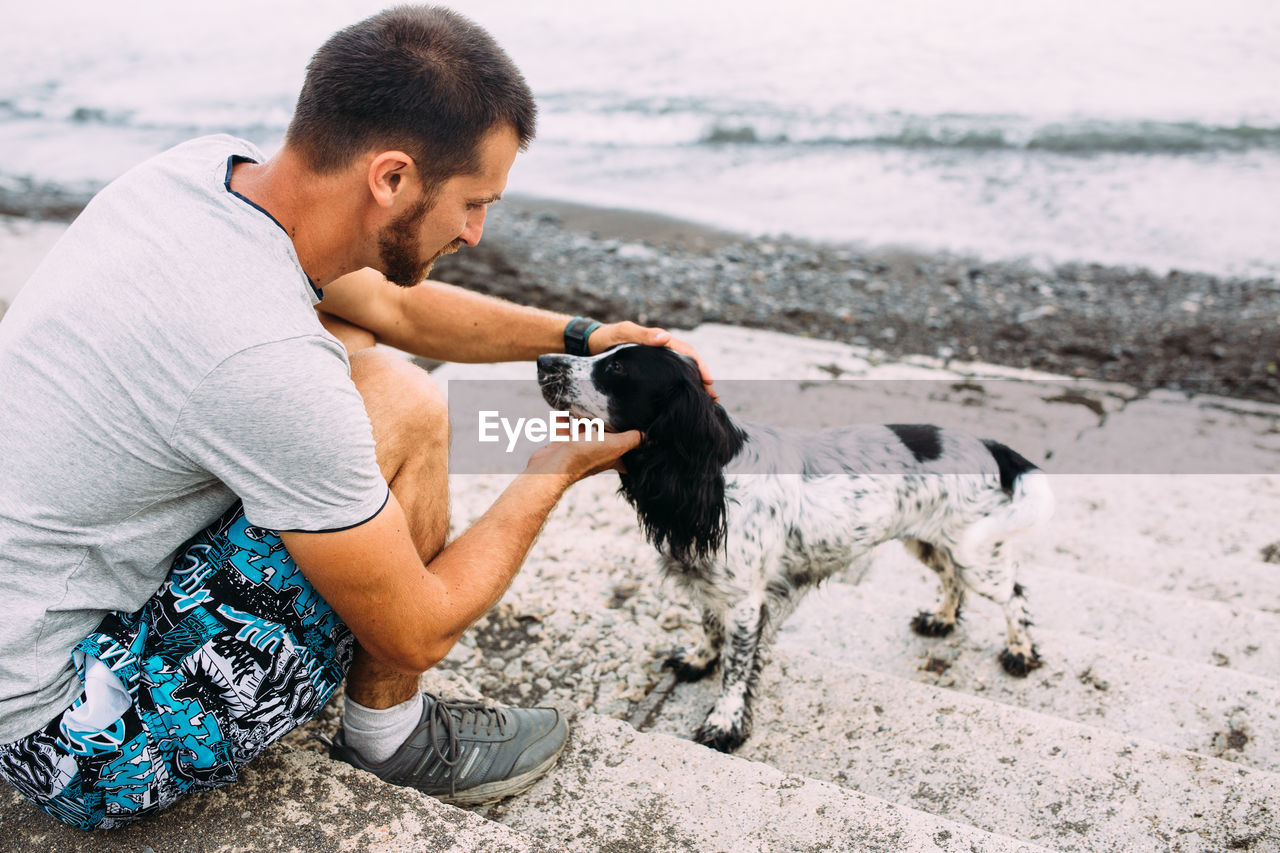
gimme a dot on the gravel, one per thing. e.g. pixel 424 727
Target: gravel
pixel 1180 330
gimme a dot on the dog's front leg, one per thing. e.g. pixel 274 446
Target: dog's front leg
pixel 696 664
pixel 729 722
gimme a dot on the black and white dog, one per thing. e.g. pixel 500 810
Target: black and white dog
pixel 748 518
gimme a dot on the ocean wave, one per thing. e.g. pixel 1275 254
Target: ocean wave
pixel 165 120
pixel 1155 137
pixel 1087 137
pixel 614 119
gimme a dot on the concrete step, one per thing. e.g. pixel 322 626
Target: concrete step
pixel 1196 707
pixel 1002 769
pixel 1202 537
pixel 289 799
pixel 619 790
pixel 614 789
pixel 1208 632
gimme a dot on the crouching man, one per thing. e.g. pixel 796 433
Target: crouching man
pixel 217 500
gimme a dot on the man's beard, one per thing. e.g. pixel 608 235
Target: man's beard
pixel 398 247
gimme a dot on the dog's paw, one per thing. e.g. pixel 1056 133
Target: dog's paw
pixel 724 740
pixel 929 625
pixel 686 668
pixel 1019 664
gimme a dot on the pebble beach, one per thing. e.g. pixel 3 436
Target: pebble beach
pixel 1184 331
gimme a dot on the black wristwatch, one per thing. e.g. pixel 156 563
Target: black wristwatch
pixel 576 334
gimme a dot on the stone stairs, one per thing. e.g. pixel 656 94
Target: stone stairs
pixel 1196 700
pixel 622 790
pixel 614 789
pixel 1005 769
pixel 1152 726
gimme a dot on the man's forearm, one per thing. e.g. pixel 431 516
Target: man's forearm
pixel 407 614
pixel 478 566
pixel 464 326
pixel 440 321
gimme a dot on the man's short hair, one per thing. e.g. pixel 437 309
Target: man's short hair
pixel 421 79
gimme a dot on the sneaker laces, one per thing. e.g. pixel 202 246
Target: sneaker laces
pixel 448 717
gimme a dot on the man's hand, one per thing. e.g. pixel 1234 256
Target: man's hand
pixel 582 457
pixel 612 334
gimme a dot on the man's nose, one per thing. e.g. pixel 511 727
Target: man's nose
pixel 474 228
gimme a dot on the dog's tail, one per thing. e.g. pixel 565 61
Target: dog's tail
pixel 1031 501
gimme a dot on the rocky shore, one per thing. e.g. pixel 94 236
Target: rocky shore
pixel 1182 331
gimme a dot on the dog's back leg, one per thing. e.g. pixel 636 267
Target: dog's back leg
pixel 942 621
pixel 991 575
pixel 729 722
pixel 695 664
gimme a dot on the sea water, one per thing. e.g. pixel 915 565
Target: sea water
pixel 1115 131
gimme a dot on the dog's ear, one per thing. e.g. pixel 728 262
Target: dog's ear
pixel 675 478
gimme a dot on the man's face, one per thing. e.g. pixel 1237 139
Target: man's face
pixel 452 216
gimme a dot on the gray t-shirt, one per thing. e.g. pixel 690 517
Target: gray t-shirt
pixel 163 360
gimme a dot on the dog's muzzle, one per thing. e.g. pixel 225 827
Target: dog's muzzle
pixel 553 378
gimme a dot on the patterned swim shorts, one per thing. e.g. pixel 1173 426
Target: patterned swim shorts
pixel 234 651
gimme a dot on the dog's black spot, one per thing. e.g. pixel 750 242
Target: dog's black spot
pixel 1019 590
pixel 923 440
pixel 1012 465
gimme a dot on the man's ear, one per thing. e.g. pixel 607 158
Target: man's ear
pixel 390 175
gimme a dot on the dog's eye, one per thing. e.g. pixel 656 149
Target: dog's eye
pixel 615 368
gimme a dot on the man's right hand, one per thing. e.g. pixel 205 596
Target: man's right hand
pixel 582 457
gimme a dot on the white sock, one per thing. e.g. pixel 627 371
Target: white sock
pixel 376 733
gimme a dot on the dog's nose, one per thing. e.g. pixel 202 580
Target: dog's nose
pixel 551 364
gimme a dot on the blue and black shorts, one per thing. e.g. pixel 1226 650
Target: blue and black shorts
pixel 233 652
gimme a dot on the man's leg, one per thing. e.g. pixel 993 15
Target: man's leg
pixel 411 430
pixel 233 651
pixel 461 752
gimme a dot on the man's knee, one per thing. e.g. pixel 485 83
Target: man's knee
pixel 407 408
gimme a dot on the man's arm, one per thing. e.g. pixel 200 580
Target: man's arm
pixel 440 321
pixel 444 322
pixel 408 614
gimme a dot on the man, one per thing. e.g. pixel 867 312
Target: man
pixel 192 363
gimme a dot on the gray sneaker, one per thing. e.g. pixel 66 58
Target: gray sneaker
pixel 468 753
